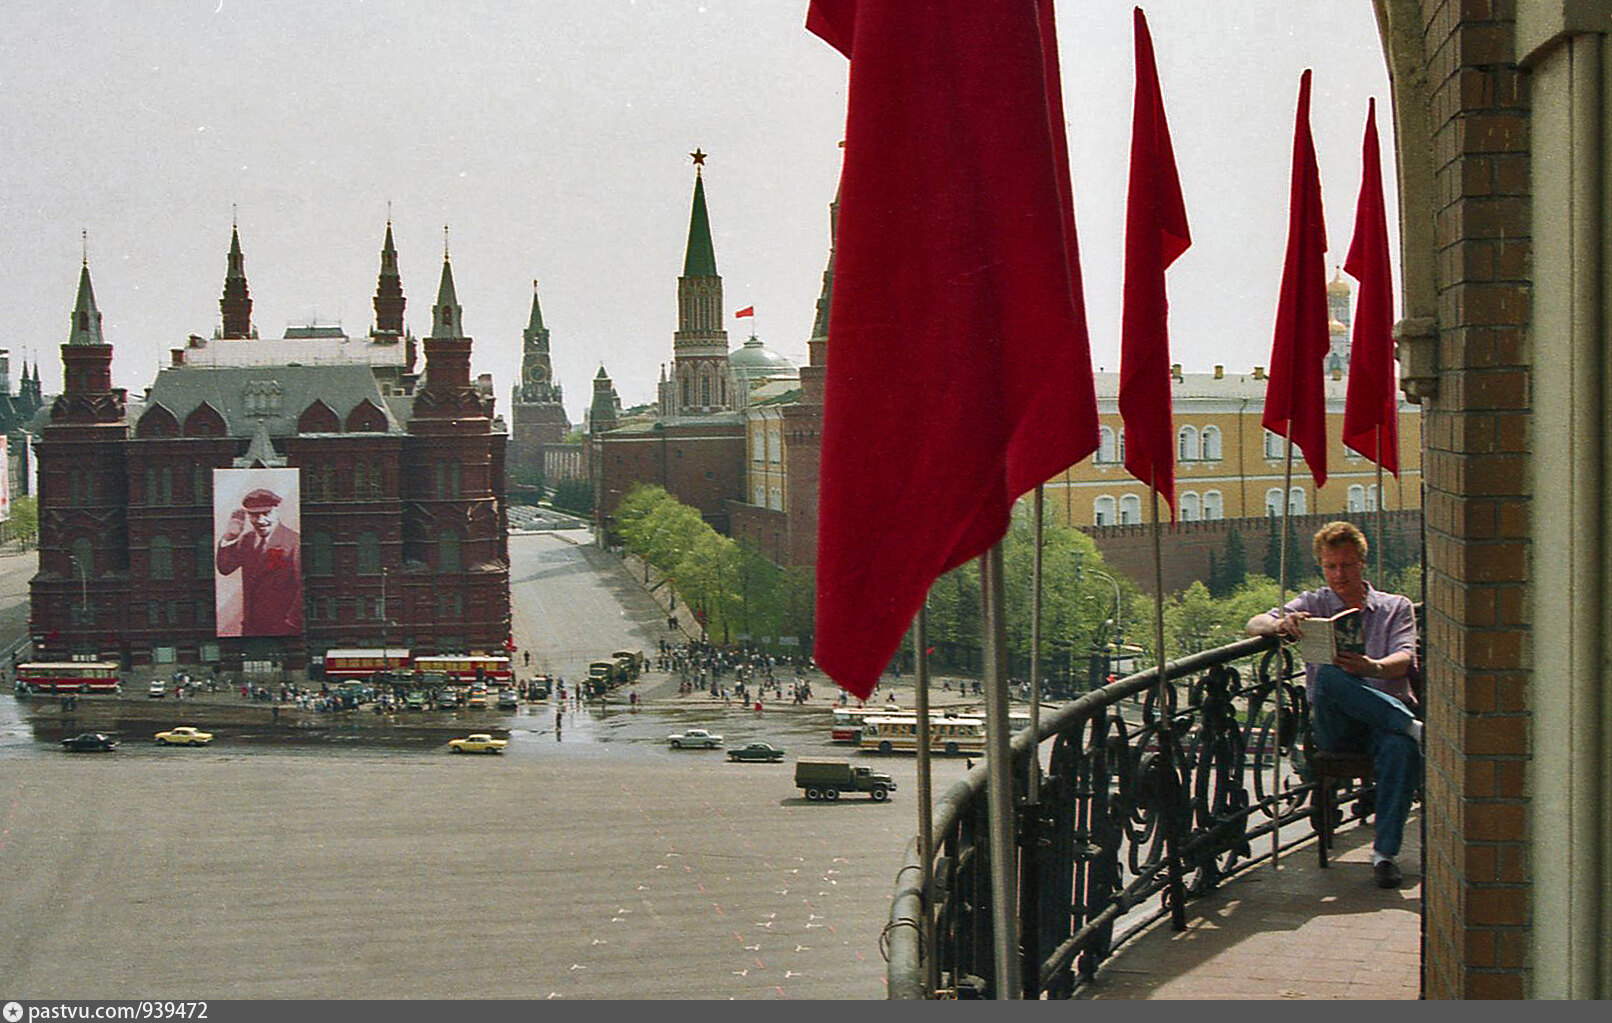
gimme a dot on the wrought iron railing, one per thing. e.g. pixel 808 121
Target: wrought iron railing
pixel 1138 811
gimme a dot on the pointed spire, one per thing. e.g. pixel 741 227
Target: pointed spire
pixel 389 301
pixel 447 318
pixel 535 325
pixel 699 260
pixel 236 303
pixel 86 318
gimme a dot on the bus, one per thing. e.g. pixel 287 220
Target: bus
pixel 899 734
pixel 361 665
pixel 847 723
pixel 69 677
pixel 493 669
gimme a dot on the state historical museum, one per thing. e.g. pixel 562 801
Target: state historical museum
pixel 272 499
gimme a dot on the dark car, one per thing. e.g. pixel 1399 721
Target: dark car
pixel 756 751
pixel 90 742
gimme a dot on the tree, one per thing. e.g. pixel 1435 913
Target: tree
pixel 23 526
pixel 1233 566
pixel 574 496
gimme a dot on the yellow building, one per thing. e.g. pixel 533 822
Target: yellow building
pixel 1227 464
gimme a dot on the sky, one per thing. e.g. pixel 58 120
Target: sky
pixel 552 139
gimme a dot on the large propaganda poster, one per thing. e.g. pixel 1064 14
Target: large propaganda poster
pixel 257 522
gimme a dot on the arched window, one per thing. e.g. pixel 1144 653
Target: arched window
pixel 1190 507
pixel 1273 445
pixel 685 391
pixel 448 552
pixel 321 555
pixel 1356 500
pixel 369 553
pixel 1296 501
pixel 1371 497
pixel 1186 444
pixel 1130 510
pixel 1212 508
pixel 1121 446
pixel 1273 502
pixel 1102 511
pixel 1211 443
pixel 162 558
pixel 705 389
pixel 1105 445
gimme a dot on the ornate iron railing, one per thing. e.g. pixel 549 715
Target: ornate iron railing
pixel 1134 806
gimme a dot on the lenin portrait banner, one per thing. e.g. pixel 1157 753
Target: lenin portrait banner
pixel 257 541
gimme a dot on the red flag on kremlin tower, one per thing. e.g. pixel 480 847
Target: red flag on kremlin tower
pixel 1371 409
pixel 748 310
pixel 959 370
pixel 1295 397
pixel 1155 236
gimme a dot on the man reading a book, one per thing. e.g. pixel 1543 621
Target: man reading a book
pixel 1361 700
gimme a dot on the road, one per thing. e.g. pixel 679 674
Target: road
pixel 590 862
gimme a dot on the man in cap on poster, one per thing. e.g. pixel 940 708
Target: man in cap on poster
pixel 269 557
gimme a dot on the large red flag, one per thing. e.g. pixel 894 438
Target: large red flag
pixel 1295 397
pixel 959 372
pixel 1371 409
pixel 1155 235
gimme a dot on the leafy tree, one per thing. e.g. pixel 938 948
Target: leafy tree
pixel 574 496
pixel 23 525
pixel 1234 565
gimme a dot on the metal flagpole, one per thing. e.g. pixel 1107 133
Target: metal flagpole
pixel 926 835
pixel 1172 834
pixel 1276 776
pixel 1382 551
pixel 1032 795
pixel 999 778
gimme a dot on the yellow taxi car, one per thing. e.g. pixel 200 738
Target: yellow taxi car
pixel 480 742
pixel 184 735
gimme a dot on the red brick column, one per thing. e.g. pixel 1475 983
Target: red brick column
pixel 1475 463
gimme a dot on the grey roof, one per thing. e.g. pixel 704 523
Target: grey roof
pixel 276 395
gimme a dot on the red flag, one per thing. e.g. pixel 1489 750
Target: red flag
pixel 1295 397
pixel 748 310
pixel 959 371
pixel 1371 410
pixel 1155 236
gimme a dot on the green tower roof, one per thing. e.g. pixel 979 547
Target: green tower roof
pixel 700 259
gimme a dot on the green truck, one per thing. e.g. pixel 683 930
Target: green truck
pixel 826 779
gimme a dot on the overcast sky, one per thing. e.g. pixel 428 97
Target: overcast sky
pixel 552 137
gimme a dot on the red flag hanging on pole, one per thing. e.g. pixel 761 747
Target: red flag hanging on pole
pixel 1371 409
pixel 1155 236
pixel 1295 397
pixel 959 370
pixel 748 310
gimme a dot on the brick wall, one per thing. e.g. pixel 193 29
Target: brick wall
pixel 1475 895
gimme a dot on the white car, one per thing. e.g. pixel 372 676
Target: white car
pixel 695 738
pixel 157 689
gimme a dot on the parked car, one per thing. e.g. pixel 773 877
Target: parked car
pixel 695 738
pixel 762 751
pixel 184 735
pixel 447 700
pixel 477 743
pixel 157 689
pixel 507 700
pixel 90 742
pixel 477 700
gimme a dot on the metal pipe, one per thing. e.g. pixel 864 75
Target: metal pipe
pixel 999 765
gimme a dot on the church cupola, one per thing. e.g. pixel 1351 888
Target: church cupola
pixel 236 304
pixel 389 299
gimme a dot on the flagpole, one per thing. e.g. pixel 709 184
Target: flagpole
pixel 999 778
pixel 1172 825
pixel 1033 776
pixel 926 835
pixel 1382 550
pixel 1276 760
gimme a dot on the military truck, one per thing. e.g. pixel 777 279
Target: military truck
pixel 826 779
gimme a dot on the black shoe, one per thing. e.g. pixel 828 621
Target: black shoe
pixel 1387 874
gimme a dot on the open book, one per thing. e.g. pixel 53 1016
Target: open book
pixel 1324 637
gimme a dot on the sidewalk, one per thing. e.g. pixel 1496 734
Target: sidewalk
pixel 1297 932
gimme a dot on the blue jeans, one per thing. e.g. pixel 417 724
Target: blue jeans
pixel 1352 717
